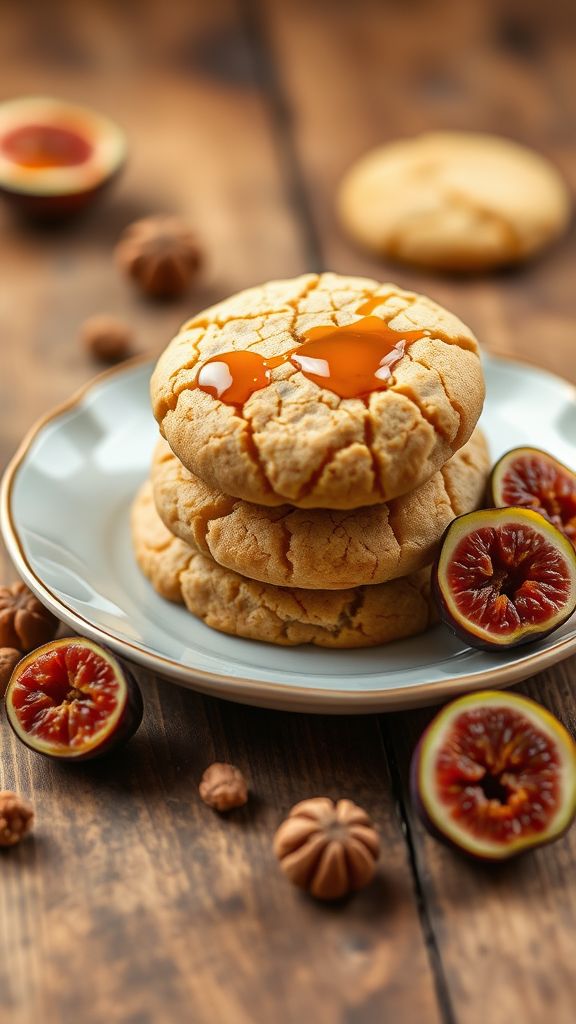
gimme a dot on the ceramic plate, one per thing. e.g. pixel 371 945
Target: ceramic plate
pixel 65 505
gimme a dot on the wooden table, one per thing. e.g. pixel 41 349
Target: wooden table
pixel 134 902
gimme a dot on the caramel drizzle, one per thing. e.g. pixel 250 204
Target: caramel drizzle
pixel 351 361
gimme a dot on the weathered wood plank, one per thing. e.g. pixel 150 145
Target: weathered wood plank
pixel 501 939
pixel 171 909
pixel 134 902
pixel 505 933
pixel 357 75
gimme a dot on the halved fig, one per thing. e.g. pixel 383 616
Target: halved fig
pixel 495 774
pixel 534 479
pixel 55 156
pixel 73 700
pixel 503 577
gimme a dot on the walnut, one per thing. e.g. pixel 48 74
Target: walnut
pixel 223 786
pixel 330 849
pixel 107 338
pixel 160 254
pixel 9 658
pixel 16 818
pixel 24 622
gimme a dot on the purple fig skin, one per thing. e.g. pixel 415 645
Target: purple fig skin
pixel 50 209
pixel 436 833
pixel 124 729
pixel 471 638
pixel 509 457
pixel 468 636
pixel 416 796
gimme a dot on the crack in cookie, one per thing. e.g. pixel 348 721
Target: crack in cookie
pixel 319 548
pixel 354 617
pixel 294 441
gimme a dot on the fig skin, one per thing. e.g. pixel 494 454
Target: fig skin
pixel 495 479
pixel 418 803
pixel 41 200
pixel 50 209
pixel 125 727
pixel 475 854
pixel 457 625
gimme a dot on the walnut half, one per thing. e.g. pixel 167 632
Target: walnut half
pixel 328 848
pixel 24 622
pixel 16 818
pixel 223 787
pixel 160 254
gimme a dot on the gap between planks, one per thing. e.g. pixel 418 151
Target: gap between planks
pixel 280 116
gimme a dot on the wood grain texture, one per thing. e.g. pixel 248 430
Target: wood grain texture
pixel 174 910
pixel 134 902
pixel 392 70
pixel 500 937
pixel 504 933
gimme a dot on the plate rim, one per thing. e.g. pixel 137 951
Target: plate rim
pixel 310 698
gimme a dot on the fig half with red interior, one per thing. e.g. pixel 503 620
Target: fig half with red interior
pixel 503 577
pixel 73 700
pixel 495 774
pixel 55 156
pixel 534 479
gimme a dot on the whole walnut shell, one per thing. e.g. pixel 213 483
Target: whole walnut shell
pixel 223 786
pixel 16 818
pixel 107 338
pixel 329 849
pixel 24 622
pixel 160 254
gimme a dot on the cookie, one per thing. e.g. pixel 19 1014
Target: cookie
pixel 454 200
pixel 319 548
pixel 295 442
pixel 226 601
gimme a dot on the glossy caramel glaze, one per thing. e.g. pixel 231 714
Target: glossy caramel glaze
pixel 352 361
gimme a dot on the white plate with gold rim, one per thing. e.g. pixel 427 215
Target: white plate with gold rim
pixel 65 504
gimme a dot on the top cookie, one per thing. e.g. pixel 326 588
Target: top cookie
pixel 294 441
pixel 454 200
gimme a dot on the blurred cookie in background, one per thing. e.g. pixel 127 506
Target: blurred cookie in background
pixel 455 201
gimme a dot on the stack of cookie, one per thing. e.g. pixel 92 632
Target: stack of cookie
pixel 318 437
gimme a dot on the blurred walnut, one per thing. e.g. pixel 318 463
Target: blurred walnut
pixel 24 622
pixel 330 849
pixel 160 254
pixel 107 338
pixel 9 658
pixel 16 818
pixel 223 787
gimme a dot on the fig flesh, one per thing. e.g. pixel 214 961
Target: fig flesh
pixel 73 700
pixel 534 479
pixel 503 577
pixel 495 774
pixel 55 156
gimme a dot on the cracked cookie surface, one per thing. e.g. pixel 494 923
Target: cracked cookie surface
pixel 226 601
pixel 454 200
pixel 296 443
pixel 319 548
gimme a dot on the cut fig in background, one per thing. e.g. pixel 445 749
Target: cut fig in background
pixel 534 479
pixel 504 576
pixel 56 156
pixel 72 699
pixel 495 774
